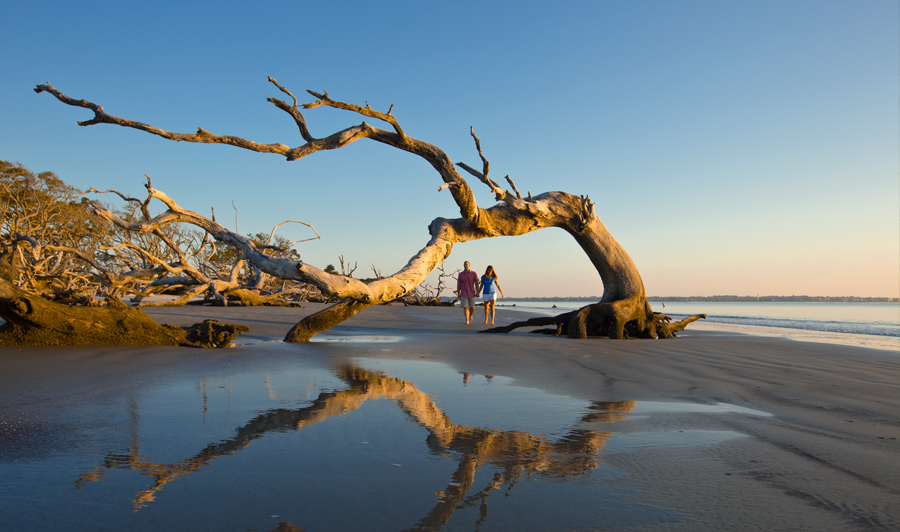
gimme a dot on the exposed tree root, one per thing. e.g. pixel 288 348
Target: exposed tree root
pixel 666 329
pixel 619 319
pixel 34 321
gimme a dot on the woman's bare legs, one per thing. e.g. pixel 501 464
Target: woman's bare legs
pixel 489 311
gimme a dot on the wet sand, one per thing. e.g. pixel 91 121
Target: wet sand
pixel 826 458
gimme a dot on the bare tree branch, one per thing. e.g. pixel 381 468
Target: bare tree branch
pixel 201 136
pixel 272 234
pixel 622 311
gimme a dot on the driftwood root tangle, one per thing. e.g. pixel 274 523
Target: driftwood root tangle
pixel 611 320
pixel 211 333
pixel 34 321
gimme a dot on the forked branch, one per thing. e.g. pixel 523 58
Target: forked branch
pixel 622 311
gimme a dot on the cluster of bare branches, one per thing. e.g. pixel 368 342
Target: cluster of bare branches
pixel 427 295
pixel 56 244
pixel 167 258
pixel 47 237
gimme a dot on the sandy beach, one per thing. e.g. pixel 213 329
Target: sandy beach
pixel 816 447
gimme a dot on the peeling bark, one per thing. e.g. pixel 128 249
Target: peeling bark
pixel 614 320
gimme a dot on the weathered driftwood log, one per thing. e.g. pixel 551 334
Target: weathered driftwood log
pixel 592 320
pixel 34 321
pixel 622 312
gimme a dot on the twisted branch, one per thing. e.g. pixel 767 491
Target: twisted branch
pixel 515 215
pixel 201 136
pixel 323 99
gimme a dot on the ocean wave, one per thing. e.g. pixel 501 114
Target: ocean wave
pixel 862 318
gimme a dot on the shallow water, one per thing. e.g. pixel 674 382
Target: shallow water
pixel 881 319
pixel 360 444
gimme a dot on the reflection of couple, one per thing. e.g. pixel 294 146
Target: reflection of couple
pixel 469 285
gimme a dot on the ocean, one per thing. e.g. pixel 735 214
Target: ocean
pixel 882 319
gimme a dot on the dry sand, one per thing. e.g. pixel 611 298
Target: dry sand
pixel 826 458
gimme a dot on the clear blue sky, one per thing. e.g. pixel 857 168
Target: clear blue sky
pixel 731 147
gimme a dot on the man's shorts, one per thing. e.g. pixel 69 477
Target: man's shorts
pixel 468 302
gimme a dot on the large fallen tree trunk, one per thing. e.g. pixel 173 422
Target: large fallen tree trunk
pixel 33 321
pixel 622 312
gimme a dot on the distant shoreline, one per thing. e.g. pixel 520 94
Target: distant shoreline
pixel 820 419
pixel 733 299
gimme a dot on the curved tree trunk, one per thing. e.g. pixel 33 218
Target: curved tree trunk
pixel 622 312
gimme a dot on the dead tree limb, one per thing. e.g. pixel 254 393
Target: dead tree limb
pixel 622 312
pixel 218 286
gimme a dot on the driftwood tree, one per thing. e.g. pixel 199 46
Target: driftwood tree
pixel 622 312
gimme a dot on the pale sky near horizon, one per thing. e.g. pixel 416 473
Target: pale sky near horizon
pixel 731 147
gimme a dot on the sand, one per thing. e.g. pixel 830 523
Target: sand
pixel 825 459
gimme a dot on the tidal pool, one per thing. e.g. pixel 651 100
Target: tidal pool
pixel 361 444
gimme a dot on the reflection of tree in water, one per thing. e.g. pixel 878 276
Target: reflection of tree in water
pixel 512 453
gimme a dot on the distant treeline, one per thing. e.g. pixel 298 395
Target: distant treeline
pixel 735 299
pixel 780 299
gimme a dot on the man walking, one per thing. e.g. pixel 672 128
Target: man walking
pixel 467 288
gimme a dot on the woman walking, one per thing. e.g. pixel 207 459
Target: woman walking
pixel 490 286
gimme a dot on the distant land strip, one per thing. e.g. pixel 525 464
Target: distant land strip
pixel 733 299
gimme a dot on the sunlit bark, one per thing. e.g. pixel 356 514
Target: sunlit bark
pixel 513 454
pixel 33 321
pixel 622 312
